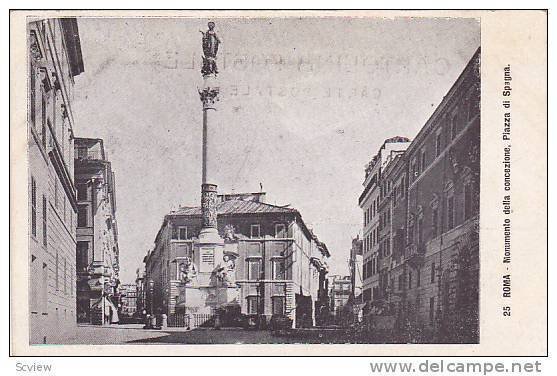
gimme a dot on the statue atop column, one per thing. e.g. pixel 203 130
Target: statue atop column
pixel 210 44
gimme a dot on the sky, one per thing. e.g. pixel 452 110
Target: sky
pixel 305 103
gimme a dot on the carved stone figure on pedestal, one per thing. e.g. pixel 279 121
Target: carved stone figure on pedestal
pixel 211 43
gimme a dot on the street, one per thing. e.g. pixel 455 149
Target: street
pixel 135 334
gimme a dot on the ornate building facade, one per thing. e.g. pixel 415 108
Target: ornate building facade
pixel 428 209
pixel 272 264
pixel 97 252
pixel 54 60
pixel 372 202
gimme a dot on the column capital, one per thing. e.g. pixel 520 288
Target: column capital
pixel 209 96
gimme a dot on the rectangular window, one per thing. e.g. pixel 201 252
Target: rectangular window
pixel 467 201
pixel 414 169
pixel 364 269
pixel 400 282
pixel 82 213
pixel 65 276
pixel 56 193
pixel 182 233
pixel 45 209
pixel 32 99
pixel 432 277
pixel 254 268
pixel 423 161
pixel 82 152
pixel 33 207
pixel 454 129
pixel 420 230
pixel 411 234
pixel 252 304
pixel 43 117
pixel 56 275
pixel 82 257
pixel 280 230
pixel 278 269
pixel 438 144
pixel 278 305
pixel 409 280
pixel 418 277
pixel 255 231
pixel 472 106
pixel 44 288
pixel 450 212
pixel 82 191
pixel 431 310
pixel 435 221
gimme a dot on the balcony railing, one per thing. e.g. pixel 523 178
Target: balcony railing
pixel 415 254
pixel 88 155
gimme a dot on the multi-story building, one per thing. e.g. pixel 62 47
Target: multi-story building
pixel 140 290
pixel 127 293
pixel 372 201
pixel 356 269
pixel 394 211
pixel 54 60
pixel 340 289
pixel 443 208
pixel 428 218
pixel 97 234
pixel 274 264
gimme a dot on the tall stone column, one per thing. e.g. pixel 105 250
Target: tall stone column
pixel 210 245
pixel 209 289
pixel 209 98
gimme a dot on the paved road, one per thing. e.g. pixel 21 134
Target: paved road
pixel 135 334
pixel 106 335
pixel 211 336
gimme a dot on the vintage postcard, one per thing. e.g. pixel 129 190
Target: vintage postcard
pixel 278 183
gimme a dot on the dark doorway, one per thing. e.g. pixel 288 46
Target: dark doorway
pixel 304 311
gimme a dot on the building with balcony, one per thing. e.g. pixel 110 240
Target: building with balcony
pixel 97 251
pixel 442 249
pixel 273 263
pixel 374 203
pixel 428 213
pixel 54 60
pixel 340 291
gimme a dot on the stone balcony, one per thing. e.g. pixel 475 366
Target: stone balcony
pixel 415 254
